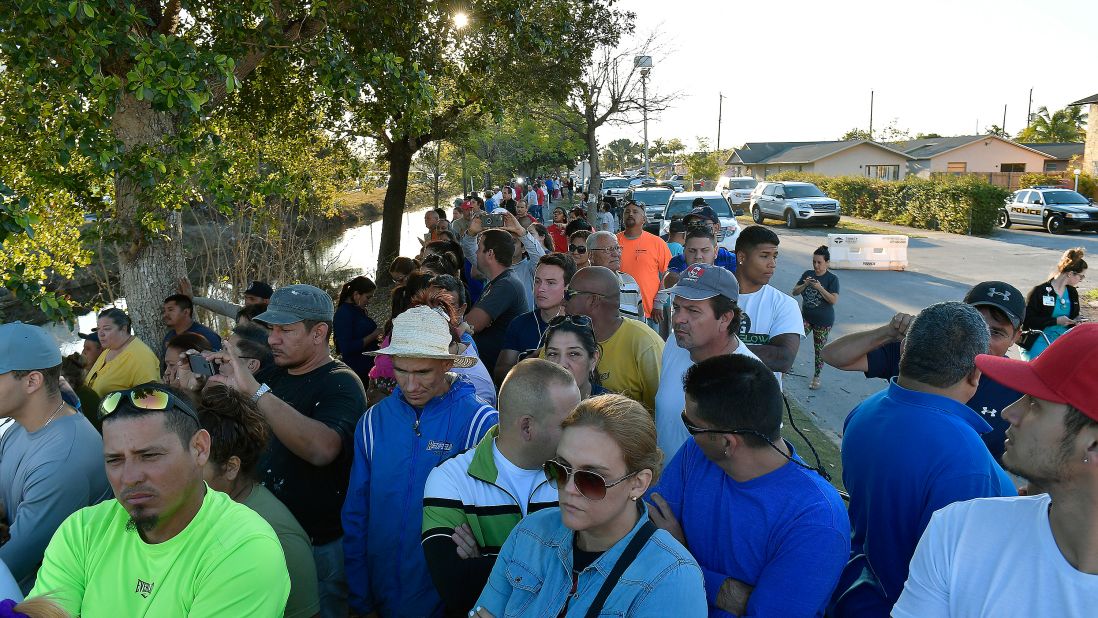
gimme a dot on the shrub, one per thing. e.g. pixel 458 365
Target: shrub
pixel 960 205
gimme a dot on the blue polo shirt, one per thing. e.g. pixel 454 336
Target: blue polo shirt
pixel 195 327
pixel 725 259
pixel 990 398
pixel 905 455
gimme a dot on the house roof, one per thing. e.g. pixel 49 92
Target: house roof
pixel 754 153
pixel 1091 99
pixel 1060 151
pixel 929 147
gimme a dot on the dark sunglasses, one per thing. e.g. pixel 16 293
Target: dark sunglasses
pixel 695 430
pixel 578 320
pixel 569 293
pixel 591 485
pixel 580 249
pixel 145 397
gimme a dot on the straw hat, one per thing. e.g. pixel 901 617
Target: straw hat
pixel 422 332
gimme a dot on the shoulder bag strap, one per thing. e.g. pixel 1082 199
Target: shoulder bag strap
pixel 631 550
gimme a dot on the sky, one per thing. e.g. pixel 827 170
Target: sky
pixel 799 70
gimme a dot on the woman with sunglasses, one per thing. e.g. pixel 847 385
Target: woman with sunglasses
pixel 570 343
pixel 577 248
pixel 557 561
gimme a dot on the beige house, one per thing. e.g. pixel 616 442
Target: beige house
pixel 987 154
pixel 1090 152
pixel 833 158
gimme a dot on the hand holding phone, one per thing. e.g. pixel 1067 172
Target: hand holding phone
pixel 200 366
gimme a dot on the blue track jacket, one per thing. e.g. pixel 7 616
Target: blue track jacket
pixel 396 447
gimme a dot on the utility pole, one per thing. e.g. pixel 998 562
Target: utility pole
pixel 720 108
pixel 871 115
pixel 644 63
pixel 1003 126
pixel 1029 109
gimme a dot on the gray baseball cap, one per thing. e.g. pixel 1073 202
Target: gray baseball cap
pixel 296 303
pixel 24 347
pixel 704 281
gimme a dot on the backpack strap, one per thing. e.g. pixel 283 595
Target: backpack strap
pixel 631 550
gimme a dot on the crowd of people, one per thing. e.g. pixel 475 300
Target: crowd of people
pixel 559 418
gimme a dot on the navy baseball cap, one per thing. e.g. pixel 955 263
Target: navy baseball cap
pixel 703 212
pixel 704 281
pixel 25 347
pixel 259 288
pixel 92 336
pixel 296 303
pixel 1002 296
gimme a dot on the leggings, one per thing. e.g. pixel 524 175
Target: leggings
pixel 819 340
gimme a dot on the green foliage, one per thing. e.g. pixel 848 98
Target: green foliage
pixel 702 164
pixel 1063 125
pixel 622 153
pixel 855 134
pixel 519 144
pixel 959 205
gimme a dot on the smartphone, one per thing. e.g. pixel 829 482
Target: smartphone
pixel 488 220
pixel 200 366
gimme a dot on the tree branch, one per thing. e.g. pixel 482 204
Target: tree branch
pixel 169 20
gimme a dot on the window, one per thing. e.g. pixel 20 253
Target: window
pixel 769 190
pixel 883 172
pixel 1055 166
pixel 1016 168
pixel 956 167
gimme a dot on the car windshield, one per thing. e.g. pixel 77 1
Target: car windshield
pixel 1064 197
pixel 742 184
pixel 653 197
pixel 679 207
pixel 615 183
pixel 803 191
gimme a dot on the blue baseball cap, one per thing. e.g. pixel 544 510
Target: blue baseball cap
pixel 25 347
pixel 296 303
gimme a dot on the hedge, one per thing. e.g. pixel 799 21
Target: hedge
pixel 960 205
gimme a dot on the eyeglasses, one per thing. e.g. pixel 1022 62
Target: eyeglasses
pixel 591 485
pixel 695 430
pixel 580 249
pixel 614 249
pixel 145 397
pixel 569 293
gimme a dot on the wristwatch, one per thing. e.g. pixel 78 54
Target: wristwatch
pixel 259 392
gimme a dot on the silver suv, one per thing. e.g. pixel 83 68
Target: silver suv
pixel 797 203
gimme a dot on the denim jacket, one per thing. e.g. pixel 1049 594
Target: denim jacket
pixel 533 575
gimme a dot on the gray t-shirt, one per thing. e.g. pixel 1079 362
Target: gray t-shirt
pixel 46 476
pixel 815 310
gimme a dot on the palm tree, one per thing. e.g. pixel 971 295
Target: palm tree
pixel 1065 125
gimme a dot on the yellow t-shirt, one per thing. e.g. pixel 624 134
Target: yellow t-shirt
pixel 630 362
pixel 135 364
pixel 226 562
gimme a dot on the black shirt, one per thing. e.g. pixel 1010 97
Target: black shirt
pixel 333 395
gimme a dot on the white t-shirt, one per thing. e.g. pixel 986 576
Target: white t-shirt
pixel 517 481
pixel 670 398
pixel 994 557
pixel 768 313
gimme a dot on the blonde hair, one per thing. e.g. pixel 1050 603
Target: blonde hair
pixel 1072 261
pixel 628 424
pixel 41 607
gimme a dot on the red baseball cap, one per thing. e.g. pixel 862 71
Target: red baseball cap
pixel 1066 372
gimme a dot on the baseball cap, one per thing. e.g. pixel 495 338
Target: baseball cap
pixel 25 347
pixel 260 289
pixel 1063 373
pixel 467 205
pixel 704 281
pixel 677 226
pixel 296 303
pixel 703 212
pixel 1002 296
pixel 92 336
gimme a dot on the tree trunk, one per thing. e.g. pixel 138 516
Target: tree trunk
pixel 400 162
pixel 595 184
pixel 150 265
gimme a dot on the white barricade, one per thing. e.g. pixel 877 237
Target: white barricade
pixel 868 251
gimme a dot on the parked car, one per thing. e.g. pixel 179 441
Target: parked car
pixel 1053 208
pixel 737 189
pixel 615 185
pixel 678 181
pixel 653 198
pixel 641 180
pixel 683 203
pixel 797 203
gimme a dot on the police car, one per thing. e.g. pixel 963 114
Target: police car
pixel 1054 208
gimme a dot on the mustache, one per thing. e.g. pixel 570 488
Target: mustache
pixel 137 490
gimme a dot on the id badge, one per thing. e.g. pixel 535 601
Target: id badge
pixel 1048 301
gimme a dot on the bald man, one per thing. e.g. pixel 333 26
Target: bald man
pixel 630 362
pixel 504 473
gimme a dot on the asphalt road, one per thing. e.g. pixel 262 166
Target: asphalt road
pixel 940 267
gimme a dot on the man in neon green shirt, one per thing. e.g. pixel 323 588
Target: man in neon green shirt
pixel 167 545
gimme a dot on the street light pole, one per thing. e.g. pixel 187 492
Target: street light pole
pixel 644 63
pixel 1077 172
pixel 720 109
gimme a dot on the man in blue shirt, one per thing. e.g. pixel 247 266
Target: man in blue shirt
pixel 703 216
pixel 770 534
pixel 177 312
pixel 877 352
pixel 912 449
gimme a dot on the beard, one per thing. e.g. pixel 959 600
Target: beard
pixel 141 523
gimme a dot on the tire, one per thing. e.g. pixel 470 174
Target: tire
pixel 1003 220
pixel 1055 225
pixel 757 215
pixel 791 219
pixel 831 223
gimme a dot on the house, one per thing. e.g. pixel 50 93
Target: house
pixel 831 158
pixel 986 154
pixel 1090 151
pixel 1060 154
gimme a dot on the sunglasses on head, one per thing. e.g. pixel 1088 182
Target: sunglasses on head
pixel 580 249
pixel 578 320
pixel 145 397
pixel 590 485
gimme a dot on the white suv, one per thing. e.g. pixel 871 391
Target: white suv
pixel 797 203
pixel 737 189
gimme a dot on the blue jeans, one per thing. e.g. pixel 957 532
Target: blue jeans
pixel 331 580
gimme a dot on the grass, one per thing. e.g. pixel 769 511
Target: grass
pixel 824 443
pixel 845 226
pixel 1091 296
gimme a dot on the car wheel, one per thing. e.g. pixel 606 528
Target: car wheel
pixel 790 220
pixel 1055 224
pixel 1003 220
pixel 756 214
pixel 831 223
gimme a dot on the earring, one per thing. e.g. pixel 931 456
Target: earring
pixel 633 498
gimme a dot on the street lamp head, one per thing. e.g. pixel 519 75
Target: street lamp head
pixel 642 62
pixel 461 20
pixel 1077 171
